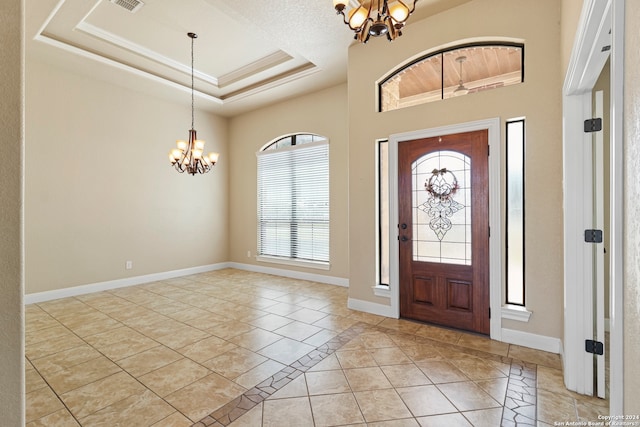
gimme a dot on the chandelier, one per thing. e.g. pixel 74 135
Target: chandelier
pixel 188 157
pixel 376 17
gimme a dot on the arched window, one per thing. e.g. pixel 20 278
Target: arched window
pixel 452 72
pixel 293 200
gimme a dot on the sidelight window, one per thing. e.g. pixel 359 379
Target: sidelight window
pixel 515 212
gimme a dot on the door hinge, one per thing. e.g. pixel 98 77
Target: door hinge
pixel 593 125
pixel 595 347
pixel 593 236
pixel 489 312
pixel 488 150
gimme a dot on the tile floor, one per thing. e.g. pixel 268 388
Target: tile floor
pixel 246 349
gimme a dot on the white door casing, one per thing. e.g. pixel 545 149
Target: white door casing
pixel 495 247
pixel 601 24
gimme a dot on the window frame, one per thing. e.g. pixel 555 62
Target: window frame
pixel 523 185
pixel 315 140
pixel 403 67
pixel 382 210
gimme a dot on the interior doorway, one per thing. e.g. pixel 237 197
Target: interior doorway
pixel 600 37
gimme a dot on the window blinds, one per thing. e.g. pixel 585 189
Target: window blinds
pixel 293 202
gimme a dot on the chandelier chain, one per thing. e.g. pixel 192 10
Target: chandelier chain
pixel 192 101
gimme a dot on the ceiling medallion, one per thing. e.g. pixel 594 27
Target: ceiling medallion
pixel 188 157
pixel 376 17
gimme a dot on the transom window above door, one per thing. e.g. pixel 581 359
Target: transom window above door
pixel 452 72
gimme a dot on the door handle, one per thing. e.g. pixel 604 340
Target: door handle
pixel 404 238
pixel 403 226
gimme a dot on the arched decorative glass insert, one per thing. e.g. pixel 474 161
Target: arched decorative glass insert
pixel 441 188
pixel 452 72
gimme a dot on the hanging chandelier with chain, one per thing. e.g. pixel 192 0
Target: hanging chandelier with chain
pixel 376 17
pixel 188 156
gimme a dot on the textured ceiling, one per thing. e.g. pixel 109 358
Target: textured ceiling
pixel 248 53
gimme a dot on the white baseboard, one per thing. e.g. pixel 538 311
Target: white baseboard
pixel 118 283
pixel 370 307
pixel 321 278
pixel 526 339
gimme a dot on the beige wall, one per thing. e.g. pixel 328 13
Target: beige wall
pixel 11 221
pixel 571 10
pixel 631 295
pixel 538 99
pixel 323 113
pixel 99 188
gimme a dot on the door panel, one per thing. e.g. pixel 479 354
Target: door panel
pixel 443 212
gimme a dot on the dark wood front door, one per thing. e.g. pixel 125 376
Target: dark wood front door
pixel 444 230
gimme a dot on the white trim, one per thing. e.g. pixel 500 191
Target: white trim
pixel 526 339
pixel 118 283
pixel 616 344
pixel 294 74
pixel 577 255
pixel 148 278
pixel 495 212
pixel 598 248
pixel 306 69
pixel 142 51
pixel 585 65
pixel 382 291
pixel 135 71
pixel 370 307
pixel 515 312
pixel 294 262
pixel 587 57
pixel 318 143
pixel 329 280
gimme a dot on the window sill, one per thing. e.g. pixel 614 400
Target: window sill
pixel 294 262
pixel 515 312
pixel 382 291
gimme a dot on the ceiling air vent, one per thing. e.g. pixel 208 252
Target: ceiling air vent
pixel 131 5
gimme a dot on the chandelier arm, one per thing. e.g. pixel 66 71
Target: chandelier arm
pixel 413 8
pixel 392 33
pixel 344 16
pixel 369 18
pixel 384 10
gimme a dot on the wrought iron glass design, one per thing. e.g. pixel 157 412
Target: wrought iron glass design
pixel 441 205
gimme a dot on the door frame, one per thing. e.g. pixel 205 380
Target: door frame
pixel 495 247
pixel 586 62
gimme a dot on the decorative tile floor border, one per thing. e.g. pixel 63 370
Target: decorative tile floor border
pixel 519 407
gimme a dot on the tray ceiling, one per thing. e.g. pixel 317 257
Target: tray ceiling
pixel 248 53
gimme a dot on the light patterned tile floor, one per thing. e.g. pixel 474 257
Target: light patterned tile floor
pixel 246 349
